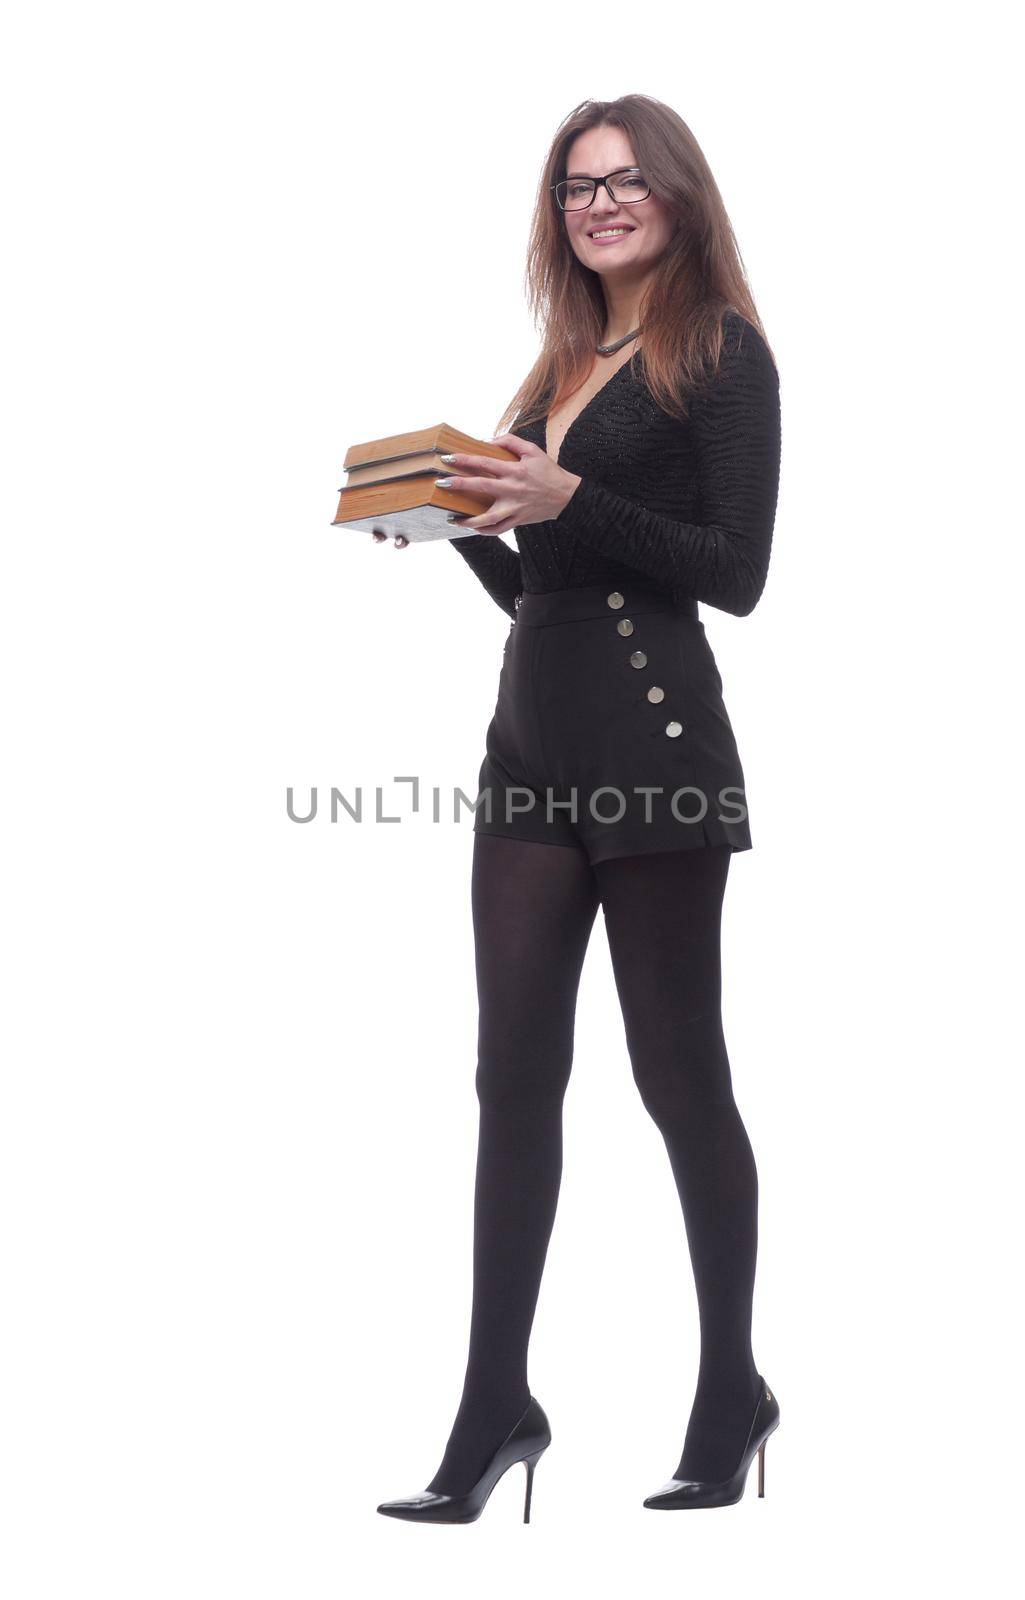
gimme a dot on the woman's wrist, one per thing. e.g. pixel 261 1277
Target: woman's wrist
pixel 571 483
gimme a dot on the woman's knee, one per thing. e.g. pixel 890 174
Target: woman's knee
pixel 682 1073
pixel 516 1066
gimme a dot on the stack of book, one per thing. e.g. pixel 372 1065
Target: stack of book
pixel 390 485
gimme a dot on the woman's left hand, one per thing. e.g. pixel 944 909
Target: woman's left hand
pixel 534 488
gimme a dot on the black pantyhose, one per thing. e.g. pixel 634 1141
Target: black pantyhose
pixel 533 909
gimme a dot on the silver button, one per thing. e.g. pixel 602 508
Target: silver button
pixel 655 694
pixel 616 600
pixel 625 627
pixel 638 659
pixel 674 729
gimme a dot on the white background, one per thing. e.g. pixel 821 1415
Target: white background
pixel 239 1121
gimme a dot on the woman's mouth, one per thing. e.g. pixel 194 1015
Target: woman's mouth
pixel 607 235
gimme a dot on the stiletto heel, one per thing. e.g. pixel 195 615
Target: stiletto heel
pixel 526 1441
pixel 530 1462
pixel 681 1493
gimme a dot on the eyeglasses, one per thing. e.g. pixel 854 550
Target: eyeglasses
pixel 625 186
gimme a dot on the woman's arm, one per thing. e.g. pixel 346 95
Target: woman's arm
pixel 498 568
pixel 736 424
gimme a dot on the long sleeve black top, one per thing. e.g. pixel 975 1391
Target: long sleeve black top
pixel 689 504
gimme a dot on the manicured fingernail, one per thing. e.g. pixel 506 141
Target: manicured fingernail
pixel 443 483
pixel 448 458
pixel 455 516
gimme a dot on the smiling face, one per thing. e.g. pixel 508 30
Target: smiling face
pixel 641 230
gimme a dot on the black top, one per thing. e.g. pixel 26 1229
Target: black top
pixel 689 504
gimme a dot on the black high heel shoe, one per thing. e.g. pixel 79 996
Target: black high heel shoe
pixel 680 1493
pixel 525 1442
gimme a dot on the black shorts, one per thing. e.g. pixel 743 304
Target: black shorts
pixel 610 734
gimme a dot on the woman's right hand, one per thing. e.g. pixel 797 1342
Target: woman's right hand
pixel 379 537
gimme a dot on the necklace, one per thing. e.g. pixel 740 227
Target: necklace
pixel 607 349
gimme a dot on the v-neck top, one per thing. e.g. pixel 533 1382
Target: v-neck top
pixel 689 505
pixel 542 427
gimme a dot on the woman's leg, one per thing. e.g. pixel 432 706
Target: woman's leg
pixel 533 909
pixel 662 915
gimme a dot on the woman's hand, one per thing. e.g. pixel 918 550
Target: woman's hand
pixel 534 488
pixel 400 541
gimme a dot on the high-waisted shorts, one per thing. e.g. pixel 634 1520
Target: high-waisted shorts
pixel 609 733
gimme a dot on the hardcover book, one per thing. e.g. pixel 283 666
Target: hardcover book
pixel 390 484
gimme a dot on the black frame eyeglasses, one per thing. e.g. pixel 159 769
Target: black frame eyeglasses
pixel 561 189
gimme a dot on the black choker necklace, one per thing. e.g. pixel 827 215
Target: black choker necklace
pixel 607 349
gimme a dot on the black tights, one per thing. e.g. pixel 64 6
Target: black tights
pixel 533 909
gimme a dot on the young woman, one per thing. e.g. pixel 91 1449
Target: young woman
pixel 647 447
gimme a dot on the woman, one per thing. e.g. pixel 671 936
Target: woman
pixel 647 464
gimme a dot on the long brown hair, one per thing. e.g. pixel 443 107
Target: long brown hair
pixel 697 280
